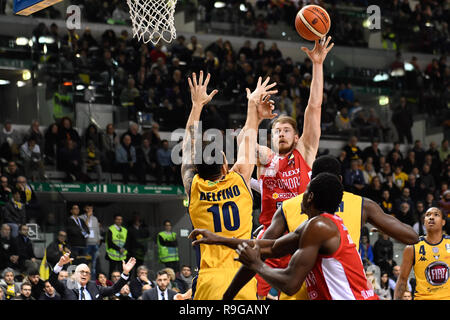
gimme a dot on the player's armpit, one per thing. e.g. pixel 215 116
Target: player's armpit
pixel 405 269
pixel 188 172
pixel 390 225
pixel 277 227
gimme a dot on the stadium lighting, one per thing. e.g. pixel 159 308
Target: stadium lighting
pixel 366 23
pixel 398 72
pixel 219 4
pixel 22 41
pixel 20 84
pixel 243 8
pixel 4 82
pixel 80 87
pixel 46 40
pixel 383 100
pixel 381 77
pixel 409 66
pixel 26 75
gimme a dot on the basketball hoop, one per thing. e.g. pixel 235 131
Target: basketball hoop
pixel 153 19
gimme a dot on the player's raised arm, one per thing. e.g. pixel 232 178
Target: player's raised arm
pixel 199 99
pixel 388 224
pixel 308 143
pixel 259 108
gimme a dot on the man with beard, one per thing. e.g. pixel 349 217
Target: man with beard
pixel 286 173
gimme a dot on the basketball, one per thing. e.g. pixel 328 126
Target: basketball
pixel 312 22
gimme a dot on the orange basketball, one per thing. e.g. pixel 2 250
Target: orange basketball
pixel 312 22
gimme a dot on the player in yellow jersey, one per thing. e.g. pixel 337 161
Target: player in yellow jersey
pixel 354 210
pixel 430 259
pixel 219 198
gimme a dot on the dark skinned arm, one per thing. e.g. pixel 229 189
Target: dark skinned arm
pixel 319 236
pixel 390 225
pixel 276 229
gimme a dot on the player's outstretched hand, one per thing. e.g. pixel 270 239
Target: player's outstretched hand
pixel 249 256
pixel 320 50
pixel 208 237
pixel 261 98
pixel 199 88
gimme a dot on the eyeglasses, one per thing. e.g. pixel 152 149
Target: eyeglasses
pixel 85 272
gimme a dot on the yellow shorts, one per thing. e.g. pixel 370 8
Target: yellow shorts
pixel 302 294
pixel 211 284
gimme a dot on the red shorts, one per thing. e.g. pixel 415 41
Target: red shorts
pixel 263 287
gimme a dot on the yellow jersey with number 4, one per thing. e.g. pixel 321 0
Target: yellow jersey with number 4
pixel 350 210
pixel 224 207
pixel 431 269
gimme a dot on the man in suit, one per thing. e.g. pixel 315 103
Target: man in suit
pixel 83 288
pixel 160 292
pixel 77 232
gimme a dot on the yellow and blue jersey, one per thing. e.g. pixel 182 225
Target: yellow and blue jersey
pixel 225 208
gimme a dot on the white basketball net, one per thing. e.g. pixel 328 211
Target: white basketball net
pixel 153 19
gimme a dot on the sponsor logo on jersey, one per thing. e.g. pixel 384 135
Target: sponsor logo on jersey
pixel 422 258
pixel 275 195
pixel 437 273
pixel 447 247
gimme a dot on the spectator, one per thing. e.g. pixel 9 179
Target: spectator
pixel 126 159
pixel 354 179
pixel 407 295
pixel 25 292
pixel 346 94
pixel 91 159
pixel 67 133
pixel 374 191
pixel 414 188
pixel 124 293
pixel 168 246
pixel 51 144
pixel 115 276
pixel 373 152
pixel 391 187
pixel 343 123
pixel 419 153
pixel 444 203
pixel 49 292
pixel 56 249
pixel 386 203
pixel 93 240
pixel 116 243
pixel 427 178
pixel 384 292
pixel 403 121
pixel 30 153
pixel 9 256
pixel 161 291
pixel 27 259
pixel 172 277
pixel 37 285
pixel 12 172
pixel 110 143
pixel 35 133
pixel 383 253
pixel 444 150
pixel 128 98
pixel 195 48
pixel 352 149
pixel 147 157
pixel 400 177
pixel 419 225
pixel 405 215
pixel 429 201
pixel 9 285
pixel 163 156
pixel 137 283
pixel 14 213
pixel 138 235
pixel 410 162
pixel 5 191
pixel 393 279
pixel 29 199
pixel 9 142
pixel 92 134
pixel 77 232
pixel 184 279
pixel 102 280
pixel 71 162
pixel 366 251
pixel 369 173
pixel 372 279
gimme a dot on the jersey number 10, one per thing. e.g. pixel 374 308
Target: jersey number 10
pixel 226 207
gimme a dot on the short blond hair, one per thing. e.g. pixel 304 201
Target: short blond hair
pixel 286 119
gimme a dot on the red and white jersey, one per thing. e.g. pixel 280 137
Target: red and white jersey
pixel 282 178
pixel 339 276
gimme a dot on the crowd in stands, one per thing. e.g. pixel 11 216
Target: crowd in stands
pixel 60 146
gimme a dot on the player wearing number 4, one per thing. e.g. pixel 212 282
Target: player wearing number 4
pixel 430 258
pixel 219 198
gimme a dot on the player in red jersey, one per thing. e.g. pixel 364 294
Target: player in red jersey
pixel 323 253
pixel 285 172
